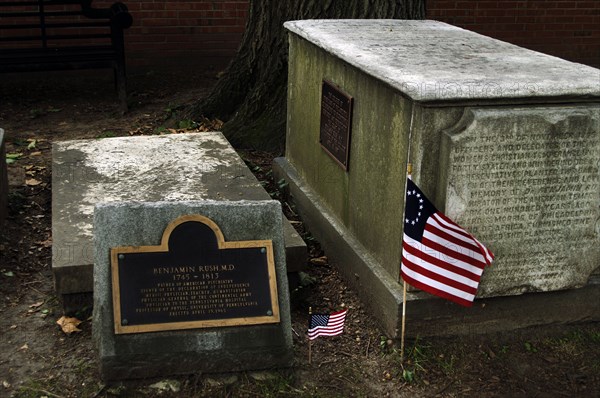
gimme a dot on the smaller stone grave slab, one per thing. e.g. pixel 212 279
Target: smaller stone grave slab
pixel 186 287
pixel 174 167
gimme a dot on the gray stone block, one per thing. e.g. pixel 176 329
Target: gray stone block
pixel 431 61
pixel 502 139
pixel 219 349
pixel 526 180
pixel 427 315
pixel 360 269
pixel 156 168
pixel 295 249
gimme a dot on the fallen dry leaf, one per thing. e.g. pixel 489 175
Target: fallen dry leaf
pixel 167 385
pixel 319 260
pixel 24 347
pixel 218 124
pixel 36 305
pixel 68 324
pixel 45 243
pixel 32 182
pixel 36 153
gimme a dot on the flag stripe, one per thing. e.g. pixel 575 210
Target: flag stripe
pixel 442 270
pixel 433 257
pixel 323 331
pixel 468 249
pixel 489 256
pixel 453 236
pixel 448 223
pixel 440 293
pixel 437 285
pixel 326 325
pixel 446 284
pixel 438 255
pixel 449 250
pixel 332 324
pixel 429 254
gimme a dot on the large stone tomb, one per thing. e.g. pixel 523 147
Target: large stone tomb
pixel 196 166
pixel 168 301
pixel 504 140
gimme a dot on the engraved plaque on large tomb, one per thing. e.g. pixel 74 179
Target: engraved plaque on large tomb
pixel 526 182
pixel 193 279
pixel 336 123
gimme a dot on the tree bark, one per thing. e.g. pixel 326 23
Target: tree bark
pixel 251 95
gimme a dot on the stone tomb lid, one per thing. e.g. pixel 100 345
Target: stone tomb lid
pixel 431 61
pixel 175 167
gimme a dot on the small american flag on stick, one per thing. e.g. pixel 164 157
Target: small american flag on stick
pixel 326 324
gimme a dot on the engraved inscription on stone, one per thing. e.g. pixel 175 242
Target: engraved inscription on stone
pixel 526 182
pixel 193 279
pixel 190 292
pixel 336 123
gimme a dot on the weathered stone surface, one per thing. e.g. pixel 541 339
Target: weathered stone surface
pixel 156 168
pixel 527 180
pixel 429 93
pixel 3 180
pixel 195 350
pixel 431 61
pixel 426 315
pixel 378 288
pixel 295 248
pixel 364 200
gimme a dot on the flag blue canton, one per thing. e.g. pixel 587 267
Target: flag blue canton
pixel 318 320
pixel 417 210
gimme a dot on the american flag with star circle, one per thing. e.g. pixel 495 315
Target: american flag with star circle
pixel 439 256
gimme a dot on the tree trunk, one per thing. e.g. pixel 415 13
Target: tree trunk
pixel 251 95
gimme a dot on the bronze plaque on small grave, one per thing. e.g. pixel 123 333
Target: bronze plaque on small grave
pixel 336 123
pixel 193 279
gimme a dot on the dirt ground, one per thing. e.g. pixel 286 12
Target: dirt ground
pixel 39 360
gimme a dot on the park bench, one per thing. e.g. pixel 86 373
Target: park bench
pixel 48 35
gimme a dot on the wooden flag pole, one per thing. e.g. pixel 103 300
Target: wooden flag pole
pixel 403 323
pixel 408 173
pixel 309 340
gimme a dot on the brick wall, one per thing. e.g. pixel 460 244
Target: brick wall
pixel 169 31
pixel 193 30
pixel 567 29
pixel 212 29
pixel 209 31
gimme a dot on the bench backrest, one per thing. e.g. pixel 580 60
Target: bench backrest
pixel 60 23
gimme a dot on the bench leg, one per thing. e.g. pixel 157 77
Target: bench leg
pixel 121 86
